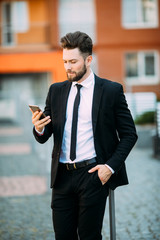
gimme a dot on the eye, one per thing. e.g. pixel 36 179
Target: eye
pixel 73 61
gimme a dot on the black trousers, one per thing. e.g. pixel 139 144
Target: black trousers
pixel 78 204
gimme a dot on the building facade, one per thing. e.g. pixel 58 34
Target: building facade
pixel 126 36
pixel 30 59
pixel 128 43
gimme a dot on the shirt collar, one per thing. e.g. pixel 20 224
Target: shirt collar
pixel 88 81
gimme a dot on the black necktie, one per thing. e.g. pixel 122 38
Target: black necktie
pixel 74 124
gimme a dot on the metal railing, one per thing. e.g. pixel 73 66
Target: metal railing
pixel 37 33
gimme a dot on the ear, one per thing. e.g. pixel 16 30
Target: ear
pixel 88 60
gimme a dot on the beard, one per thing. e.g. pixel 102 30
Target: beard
pixel 78 75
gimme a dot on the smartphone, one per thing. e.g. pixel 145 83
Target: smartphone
pixel 36 108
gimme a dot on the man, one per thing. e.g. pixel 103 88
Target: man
pixel 93 134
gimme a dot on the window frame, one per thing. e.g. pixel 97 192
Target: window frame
pixel 10 29
pixel 139 24
pixel 4 28
pixel 143 79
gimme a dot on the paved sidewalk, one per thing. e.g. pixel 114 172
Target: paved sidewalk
pixel 138 204
pixel 25 213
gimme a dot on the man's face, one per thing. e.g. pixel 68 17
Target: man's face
pixel 74 64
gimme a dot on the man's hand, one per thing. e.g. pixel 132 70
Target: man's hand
pixel 104 173
pixel 39 124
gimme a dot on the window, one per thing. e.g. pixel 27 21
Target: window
pixel 77 15
pixel 141 67
pixel 140 13
pixel 8 37
pixel 20 17
pixel 14 20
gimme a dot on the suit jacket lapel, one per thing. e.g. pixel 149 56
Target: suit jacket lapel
pixel 98 88
pixel 64 97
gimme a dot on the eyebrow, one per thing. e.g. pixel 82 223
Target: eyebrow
pixel 74 59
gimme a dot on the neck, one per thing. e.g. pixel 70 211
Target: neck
pixel 85 75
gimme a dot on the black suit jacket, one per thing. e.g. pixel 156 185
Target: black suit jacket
pixel 113 127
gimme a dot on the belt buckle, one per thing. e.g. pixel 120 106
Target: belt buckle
pixel 74 165
pixel 67 165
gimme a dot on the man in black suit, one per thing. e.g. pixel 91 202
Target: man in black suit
pixel 93 134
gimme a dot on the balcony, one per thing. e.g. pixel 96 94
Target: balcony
pixel 35 39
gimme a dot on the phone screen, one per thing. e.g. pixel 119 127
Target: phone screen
pixel 36 108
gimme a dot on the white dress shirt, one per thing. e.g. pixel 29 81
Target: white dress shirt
pixel 85 145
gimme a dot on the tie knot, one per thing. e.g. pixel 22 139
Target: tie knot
pixel 78 86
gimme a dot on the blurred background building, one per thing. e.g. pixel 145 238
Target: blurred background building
pixel 126 36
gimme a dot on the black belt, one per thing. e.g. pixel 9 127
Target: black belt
pixel 76 165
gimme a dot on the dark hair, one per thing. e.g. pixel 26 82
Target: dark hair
pixel 78 40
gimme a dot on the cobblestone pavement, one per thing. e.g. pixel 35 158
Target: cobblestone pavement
pixel 25 208
pixel 138 204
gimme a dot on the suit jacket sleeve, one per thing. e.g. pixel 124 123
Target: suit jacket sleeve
pixel 48 128
pixel 125 130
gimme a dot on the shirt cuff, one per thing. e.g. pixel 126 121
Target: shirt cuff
pixel 39 133
pixel 110 168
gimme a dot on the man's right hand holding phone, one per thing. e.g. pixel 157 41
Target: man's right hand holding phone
pixel 39 123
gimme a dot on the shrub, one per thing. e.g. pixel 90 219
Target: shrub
pixel 145 118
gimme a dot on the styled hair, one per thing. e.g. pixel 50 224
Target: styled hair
pixel 78 40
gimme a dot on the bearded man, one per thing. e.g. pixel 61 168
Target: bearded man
pixel 93 134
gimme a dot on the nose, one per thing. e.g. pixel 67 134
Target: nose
pixel 67 66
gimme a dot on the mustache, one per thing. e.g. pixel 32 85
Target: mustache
pixel 69 71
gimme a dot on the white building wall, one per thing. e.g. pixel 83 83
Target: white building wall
pixel 77 15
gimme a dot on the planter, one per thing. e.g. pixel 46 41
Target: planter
pixel 145 135
pixel 156 146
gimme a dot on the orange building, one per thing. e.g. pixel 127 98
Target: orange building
pixel 29 38
pixel 126 35
pixel 30 59
pixel 128 43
